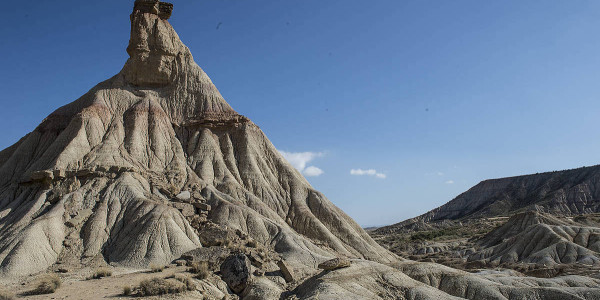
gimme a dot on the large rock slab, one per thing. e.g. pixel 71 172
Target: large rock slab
pixel 334 264
pixel 235 271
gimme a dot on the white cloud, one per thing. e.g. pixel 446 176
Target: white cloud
pixel 300 159
pixel 450 182
pixel 440 174
pixel 312 171
pixel 369 172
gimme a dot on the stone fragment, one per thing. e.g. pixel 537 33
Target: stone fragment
pixel 334 264
pixel 42 175
pixel 202 206
pixel 235 271
pixel 187 210
pixel 59 174
pixel 286 270
pixel 212 255
pixel 215 235
pixel 184 196
pixel 180 262
pixel 79 218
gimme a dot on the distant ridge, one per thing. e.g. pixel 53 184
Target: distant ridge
pixel 568 192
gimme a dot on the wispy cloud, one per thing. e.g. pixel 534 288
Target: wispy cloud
pixel 450 182
pixel 440 173
pixel 312 171
pixel 300 159
pixel 369 172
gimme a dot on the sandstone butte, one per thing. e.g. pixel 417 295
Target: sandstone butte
pixel 153 163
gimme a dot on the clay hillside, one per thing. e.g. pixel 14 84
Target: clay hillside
pixel 152 184
pixel 544 224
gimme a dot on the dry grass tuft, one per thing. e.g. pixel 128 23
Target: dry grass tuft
pixel 126 290
pixel 47 285
pixel 189 283
pixel 156 268
pixel 200 269
pixel 6 295
pixel 160 286
pixel 102 272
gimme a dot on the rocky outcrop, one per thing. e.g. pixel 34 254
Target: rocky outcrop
pixel 154 153
pixel 334 264
pixel 499 285
pixel 540 239
pixel 235 271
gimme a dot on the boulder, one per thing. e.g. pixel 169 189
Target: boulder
pixel 334 264
pixel 235 271
pixel 187 210
pixel 215 235
pixel 286 271
pixel 202 206
pixel 212 255
pixel 42 175
pixel 184 196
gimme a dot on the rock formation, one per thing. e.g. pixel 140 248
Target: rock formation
pixel 536 238
pixel 98 178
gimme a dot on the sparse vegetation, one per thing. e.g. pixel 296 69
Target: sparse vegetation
pixel 161 286
pixel 6 295
pixel 47 285
pixel 102 272
pixel 127 290
pixel 200 269
pixel 252 244
pixel 428 235
pixel 189 283
pixel 156 268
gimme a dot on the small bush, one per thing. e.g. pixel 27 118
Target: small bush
pixel 161 286
pixel 47 285
pixel 189 284
pixel 6 295
pixel 126 290
pixel 200 269
pixel 102 272
pixel 156 268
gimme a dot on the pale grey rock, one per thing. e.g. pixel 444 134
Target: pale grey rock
pixel 184 196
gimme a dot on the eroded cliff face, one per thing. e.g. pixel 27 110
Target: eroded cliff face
pixel 569 192
pixel 98 178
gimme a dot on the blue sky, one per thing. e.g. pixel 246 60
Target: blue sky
pixel 434 96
